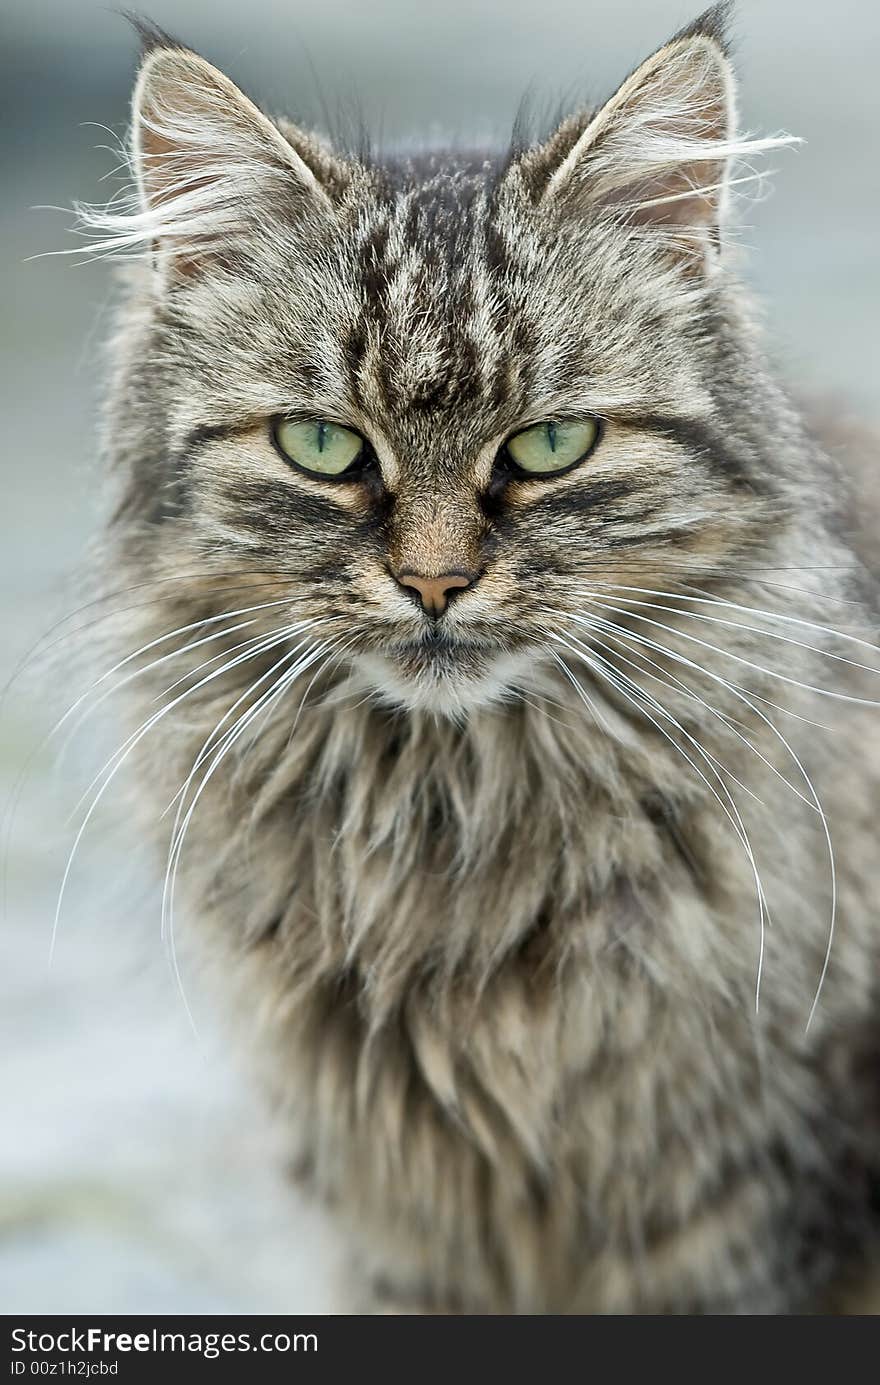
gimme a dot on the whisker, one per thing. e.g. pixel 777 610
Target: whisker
pixel 709 755
pixel 753 610
pixel 618 681
pixel 588 701
pixel 162 639
pixel 251 647
pixel 602 666
pixel 334 657
pixel 147 668
pixel 35 649
pixel 172 947
pixel 222 749
pixel 619 637
pixel 738 658
pixel 21 779
pixel 176 847
pixel 787 587
pixel 121 756
pixel 741 695
pixel 207 744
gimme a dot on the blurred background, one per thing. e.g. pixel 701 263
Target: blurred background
pixel 135 1166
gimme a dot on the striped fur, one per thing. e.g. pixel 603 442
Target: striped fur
pixel 488 913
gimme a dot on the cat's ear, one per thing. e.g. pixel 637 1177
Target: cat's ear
pixel 210 166
pixel 658 154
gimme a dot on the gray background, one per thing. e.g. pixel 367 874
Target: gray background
pixel 133 1169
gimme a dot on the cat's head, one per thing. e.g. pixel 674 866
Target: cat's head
pixel 442 399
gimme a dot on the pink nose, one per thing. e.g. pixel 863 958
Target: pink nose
pixel 434 591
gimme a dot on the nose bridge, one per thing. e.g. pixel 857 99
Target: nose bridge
pixel 435 534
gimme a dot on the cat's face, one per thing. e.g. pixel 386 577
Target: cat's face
pixel 441 402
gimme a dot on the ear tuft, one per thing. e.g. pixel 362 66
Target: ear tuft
pixel 658 155
pixel 150 34
pixel 713 23
pixel 210 168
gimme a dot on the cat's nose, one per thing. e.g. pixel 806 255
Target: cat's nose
pixel 434 592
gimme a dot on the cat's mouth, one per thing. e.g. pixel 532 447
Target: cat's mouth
pixel 437 653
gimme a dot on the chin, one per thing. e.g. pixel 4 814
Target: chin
pixel 452 680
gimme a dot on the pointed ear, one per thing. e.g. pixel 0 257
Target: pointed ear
pixel 209 165
pixel 658 154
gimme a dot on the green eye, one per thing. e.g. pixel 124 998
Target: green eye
pixel 327 449
pixel 553 447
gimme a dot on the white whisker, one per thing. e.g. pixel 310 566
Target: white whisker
pixel 597 717
pixel 161 639
pixel 147 668
pixel 618 680
pixel 619 636
pixel 738 658
pixel 251 648
pixel 121 755
pixel 177 844
pixel 221 749
pixel 207 744
pixel 769 615
pixel 742 696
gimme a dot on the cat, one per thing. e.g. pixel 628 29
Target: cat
pixel 478 593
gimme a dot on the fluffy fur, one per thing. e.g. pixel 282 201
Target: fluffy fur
pixel 530 908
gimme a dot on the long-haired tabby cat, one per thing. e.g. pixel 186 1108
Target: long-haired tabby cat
pixel 484 598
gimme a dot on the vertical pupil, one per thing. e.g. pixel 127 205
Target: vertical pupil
pixel 322 434
pixel 551 436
